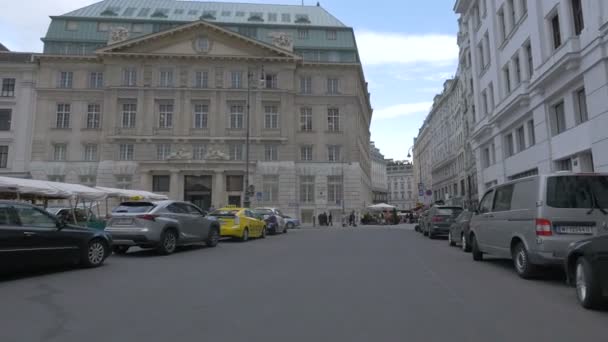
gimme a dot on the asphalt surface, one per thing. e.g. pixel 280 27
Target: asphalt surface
pixel 362 284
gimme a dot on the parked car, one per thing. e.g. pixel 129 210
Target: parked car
pixel 587 269
pixel 239 223
pixel 163 225
pixel 291 222
pixel 276 218
pixel 439 220
pixel 422 222
pixel 533 220
pixel 84 217
pixel 31 236
pixel 459 230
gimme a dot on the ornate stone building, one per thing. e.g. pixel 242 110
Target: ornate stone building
pixel 159 97
pixel 401 184
pixel 379 178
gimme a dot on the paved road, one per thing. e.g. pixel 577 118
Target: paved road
pixel 363 284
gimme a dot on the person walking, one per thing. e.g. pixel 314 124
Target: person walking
pixel 331 219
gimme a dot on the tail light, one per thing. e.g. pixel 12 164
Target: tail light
pixel 543 227
pixel 437 219
pixel 147 217
pixel 237 220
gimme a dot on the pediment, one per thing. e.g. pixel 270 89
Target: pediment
pixel 197 39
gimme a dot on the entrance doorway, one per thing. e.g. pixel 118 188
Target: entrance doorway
pixel 197 190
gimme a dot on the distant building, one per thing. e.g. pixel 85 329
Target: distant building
pixel 379 177
pixel 3 48
pixel 401 184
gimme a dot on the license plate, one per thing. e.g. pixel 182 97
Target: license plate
pixel 123 222
pixel 579 230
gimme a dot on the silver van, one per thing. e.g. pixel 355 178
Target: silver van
pixel 533 220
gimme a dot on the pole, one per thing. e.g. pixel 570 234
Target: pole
pixel 246 201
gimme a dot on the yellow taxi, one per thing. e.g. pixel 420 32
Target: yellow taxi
pixel 241 223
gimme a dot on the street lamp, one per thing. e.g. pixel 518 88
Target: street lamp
pixel 250 75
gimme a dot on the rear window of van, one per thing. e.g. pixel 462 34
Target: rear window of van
pixel 577 192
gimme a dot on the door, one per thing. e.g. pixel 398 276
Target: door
pixel 15 247
pixel 482 218
pixel 501 228
pixel 200 226
pixel 179 213
pixel 254 224
pixel 51 245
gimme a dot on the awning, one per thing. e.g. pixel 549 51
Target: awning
pixel 381 206
pixel 128 193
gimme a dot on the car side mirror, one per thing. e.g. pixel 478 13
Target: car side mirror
pixel 61 223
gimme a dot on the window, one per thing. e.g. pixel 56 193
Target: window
pixel 236 78
pixel 509 145
pixel 270 188
pixel 234 183
pixel 511 6
pixel 201 112
pixel 270 81
pixel 161 183
pixel 271 117
pixel 63 115
pixel 166 78
pixel 8 87
pixel 103 27
pixel 71 25
pixel 270 153
pixel 286 17
pixel 163 151
pixel 306 85
pixel 96 80
pixel 125 152
pixel 564 165
pixel 165 115
pixel 486 44
pixel 334 189
pixel 236 151
pixel 502 198
pixel 3 157
pixel 491 96
pixel 199 151
pixel 555 30
pixel 517 70
pixel 581 106
pixel 333 154
pixel 306 119
pixel 5 119
pixel 333 120
pixel 123 181
pixel 524 7
pixel 507 77
pixel 531 133
pixel 530 60
pixel 272 17
pixel 303 34
pixel 502 24
pixel 90 152
pixel 558 119
pixel 306 153
pixel 307 189
pixel 34 217
pixel 248 31
pixel 486 158
pixel 485 206
pixel 201 79
pixel 93 116
pixel 129 110
pixel 332 86
pixel 65 79
pixel 484 101
pixel 521 139
pixel 480 53
pixel 577 13
pixel 577 192
pixel 138 28
pixel 331 34
pixel 129 77
pixel 59 152
pixel 236 116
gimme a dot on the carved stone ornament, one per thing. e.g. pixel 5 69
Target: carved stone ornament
pixel 201 44
pixel 118 34
pixel 216 155
pixel 180 154
pixel 282 40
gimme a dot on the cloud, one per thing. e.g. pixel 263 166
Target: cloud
pixel 395 48
pixel 400 110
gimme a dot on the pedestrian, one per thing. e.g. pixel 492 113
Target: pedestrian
pixel 320 219
pixel 331 220
pixel 351 218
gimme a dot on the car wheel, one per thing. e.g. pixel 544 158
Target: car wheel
pixel 588 290
pixel 285 229
pixel 289 225
pixel 245 236
pixel 263 232
pixel 521 261
pixel 477 254
pixel 451 241
pixel 425 232
pixel 97 251
pixel 120 249
pixel 214 237
pixel 430 235
pixel 465 246
pixel 168 242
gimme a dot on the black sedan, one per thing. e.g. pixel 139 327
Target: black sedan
pixel 587 269
pixel 30 236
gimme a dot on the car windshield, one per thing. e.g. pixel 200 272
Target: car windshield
pixel 263 211
pixel 454 211
pixel 577 192
pixel 54 211
pixel 134 207
pixel 224 213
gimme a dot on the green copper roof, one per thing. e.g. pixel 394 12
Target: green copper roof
pixel 221 12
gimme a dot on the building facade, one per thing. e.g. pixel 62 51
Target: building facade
pixel 159 97
pixel 379 177
pixel 540 82
pixel 423 161
pixel 17 103
pixel 401 184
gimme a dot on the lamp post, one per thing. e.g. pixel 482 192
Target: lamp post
pixel 250 75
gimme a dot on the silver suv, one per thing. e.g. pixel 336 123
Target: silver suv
pixel 533 220
pixel 163 225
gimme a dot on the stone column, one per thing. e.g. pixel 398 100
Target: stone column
pixel 175 189
pixel 218 191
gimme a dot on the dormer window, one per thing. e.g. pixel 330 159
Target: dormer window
pixel 160 13
pixel 111 11
pixel 254 16
pixel 208 15
pixel 302 19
